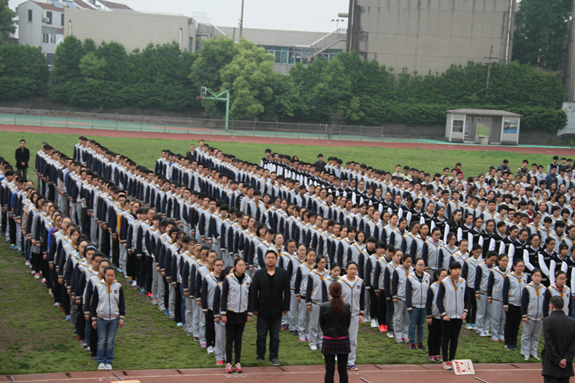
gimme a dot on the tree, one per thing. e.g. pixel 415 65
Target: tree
pixel 249 78
pixel 542 33
pixel 66 68
pixel 6 20
pixel 215 54
pixel 93 67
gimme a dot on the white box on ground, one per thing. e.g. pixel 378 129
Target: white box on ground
pixel 463 367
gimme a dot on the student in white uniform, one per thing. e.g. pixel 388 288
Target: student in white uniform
pixel 417 285
pixel 434 319
pixel 495 297
pixel 453 305
pixel 353 293
pixel 532 312
pixel 482 273
pixel 301 280
pixel 398 293
pixel 314 298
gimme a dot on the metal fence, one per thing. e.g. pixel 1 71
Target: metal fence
pixel 206 126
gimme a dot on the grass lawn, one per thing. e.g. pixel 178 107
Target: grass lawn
pixel 34 337
pixel 145 151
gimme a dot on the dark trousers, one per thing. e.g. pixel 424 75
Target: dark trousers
pixel 264 326
pixel 473 307
pixel 142 271
pixel 166 294
pixel 12 231
pixel 93 341
pixel 55 286
pixel 512 322
pixel 46 270
pixel 81 322
pixel 149 273
pixel 554 379
pixel 434 337
pixel 115 252
pixel 450 337
pixel 131 265
pixel 23 171
pixel 382 309
pixel 389 315
pixel 341 367
pixel 36 262
pixel 373 304
pixel 234 333
pixel 210 329
pixel 65 299
pixel 178 304
pixel 4 222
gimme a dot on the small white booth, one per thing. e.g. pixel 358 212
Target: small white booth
pixel 482 126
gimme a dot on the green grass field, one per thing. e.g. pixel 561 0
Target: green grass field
pixel 145 151
pixel 35 338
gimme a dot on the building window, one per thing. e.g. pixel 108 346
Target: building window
pixel 62 19
pixel 45 38
pixel 50 58
pixel 29 15
pixel 52 38
pixel 457 126
pixel 48 17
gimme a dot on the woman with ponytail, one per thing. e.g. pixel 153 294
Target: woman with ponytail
pixel 334 320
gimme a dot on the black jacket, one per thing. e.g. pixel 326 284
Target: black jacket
pixel 270 301
pixel 332 325
pixel 22 156
pixel 559 334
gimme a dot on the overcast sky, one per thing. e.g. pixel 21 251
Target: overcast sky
pixel 302 15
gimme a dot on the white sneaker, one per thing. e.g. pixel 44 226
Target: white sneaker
pixel 526 357
pixel 485 334
pixel 468 327
pixel 108 367
pixel 390 334
pixel 399 340
pixel 57 304
pixel 134 284
pixel 210 350
pixel 313 348
pixel 374 323
pixel 101 366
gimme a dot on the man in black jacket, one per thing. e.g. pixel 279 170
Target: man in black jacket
pixel 271 298
pixel 22 158
pixel 559 348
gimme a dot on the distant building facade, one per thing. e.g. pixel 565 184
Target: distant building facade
pixel 431 34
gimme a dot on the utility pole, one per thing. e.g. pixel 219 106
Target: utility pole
pixel 242 20
pixel 489 68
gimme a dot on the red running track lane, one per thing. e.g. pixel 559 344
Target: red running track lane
pixel 491 373
pixel 283 141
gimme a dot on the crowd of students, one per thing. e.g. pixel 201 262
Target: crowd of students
pixel 489 250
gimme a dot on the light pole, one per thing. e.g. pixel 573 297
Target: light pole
pixel 337 21
pixel 242 20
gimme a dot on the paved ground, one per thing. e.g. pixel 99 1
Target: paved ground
pixel 490 373
pixel 406 144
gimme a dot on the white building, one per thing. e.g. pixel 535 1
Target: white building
pixel 41 25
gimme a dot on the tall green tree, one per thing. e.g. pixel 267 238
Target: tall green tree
pixel 541 32
pixel 6 20
pixel 214 55
pixel 66 70
pixel 23 71
pixel 249 77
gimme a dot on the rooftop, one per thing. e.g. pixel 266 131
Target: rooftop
pixel 485 112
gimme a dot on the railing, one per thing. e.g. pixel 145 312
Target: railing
pixel 205 126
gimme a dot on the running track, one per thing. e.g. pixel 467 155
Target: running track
pixel 284 141
pixel 489 373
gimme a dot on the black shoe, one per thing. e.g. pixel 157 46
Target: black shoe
pixel 259 359
pixel 509 347
pixel 412 347
pixel 420 346
pixel 275 362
